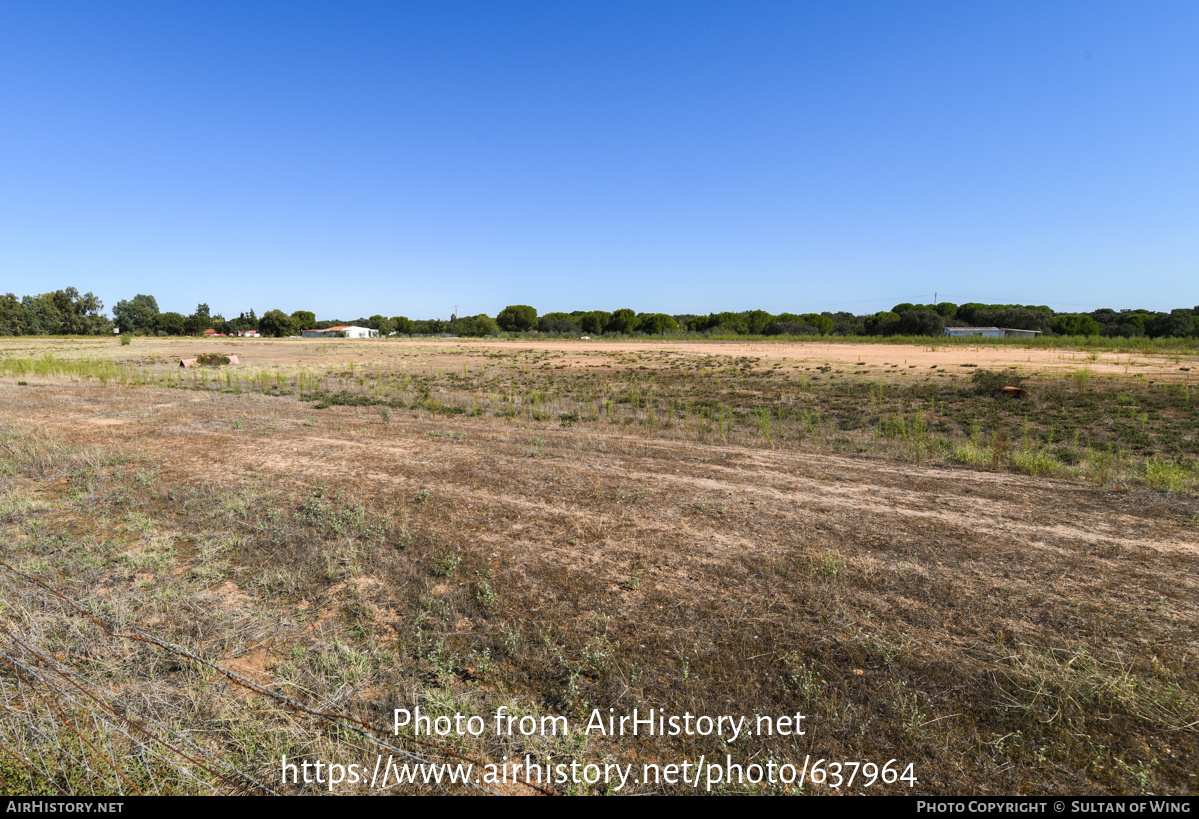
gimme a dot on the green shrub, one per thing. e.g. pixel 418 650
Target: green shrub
pixel 126 339
pixel 1036 462
pixel 447 564
pixel 1168 476
pixel 484 594
pixel 970 454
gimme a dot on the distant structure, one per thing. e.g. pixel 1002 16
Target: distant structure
pixel 991 332
pixel 345 331
pixel 986 332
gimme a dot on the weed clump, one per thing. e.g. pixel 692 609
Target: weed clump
pixel 212 359
pixel 447 564
pixel 1166 475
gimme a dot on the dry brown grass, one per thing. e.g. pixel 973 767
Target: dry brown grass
pixel 1003 633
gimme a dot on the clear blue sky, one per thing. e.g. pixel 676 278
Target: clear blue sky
pixel 404 157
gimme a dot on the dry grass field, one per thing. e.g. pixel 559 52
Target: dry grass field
pixel 1000 594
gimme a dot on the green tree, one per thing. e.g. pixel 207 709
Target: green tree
pixel 657 324
pixel 79 315
pixel 244 321
pixel 623 320
pixel 61 312
pixel 173 324
pixel 278 324
pixel 517 318
pixel 921 323
pixel 136 315
pixel 882 324
pixel 1178 324
pixel 12 316
pixel 721 324
pixel 1075 325
pixel 594 322
pixel 41 315
pixel 558 323
pixel 821 323
pixel 789 325
pixel 968 313
pixel 305 319
pixel 1022 318
pixel 475 326
pixel 196 324
pixel 756 321
pixel 430 327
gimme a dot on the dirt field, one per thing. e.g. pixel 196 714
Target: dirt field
pixel 563 527
pixel 576 353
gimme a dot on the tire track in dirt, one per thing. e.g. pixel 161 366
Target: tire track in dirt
pixel 1026 512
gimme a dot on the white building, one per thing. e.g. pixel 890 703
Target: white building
pixel 343 331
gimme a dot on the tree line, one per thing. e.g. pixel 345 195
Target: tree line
pixel 67 312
